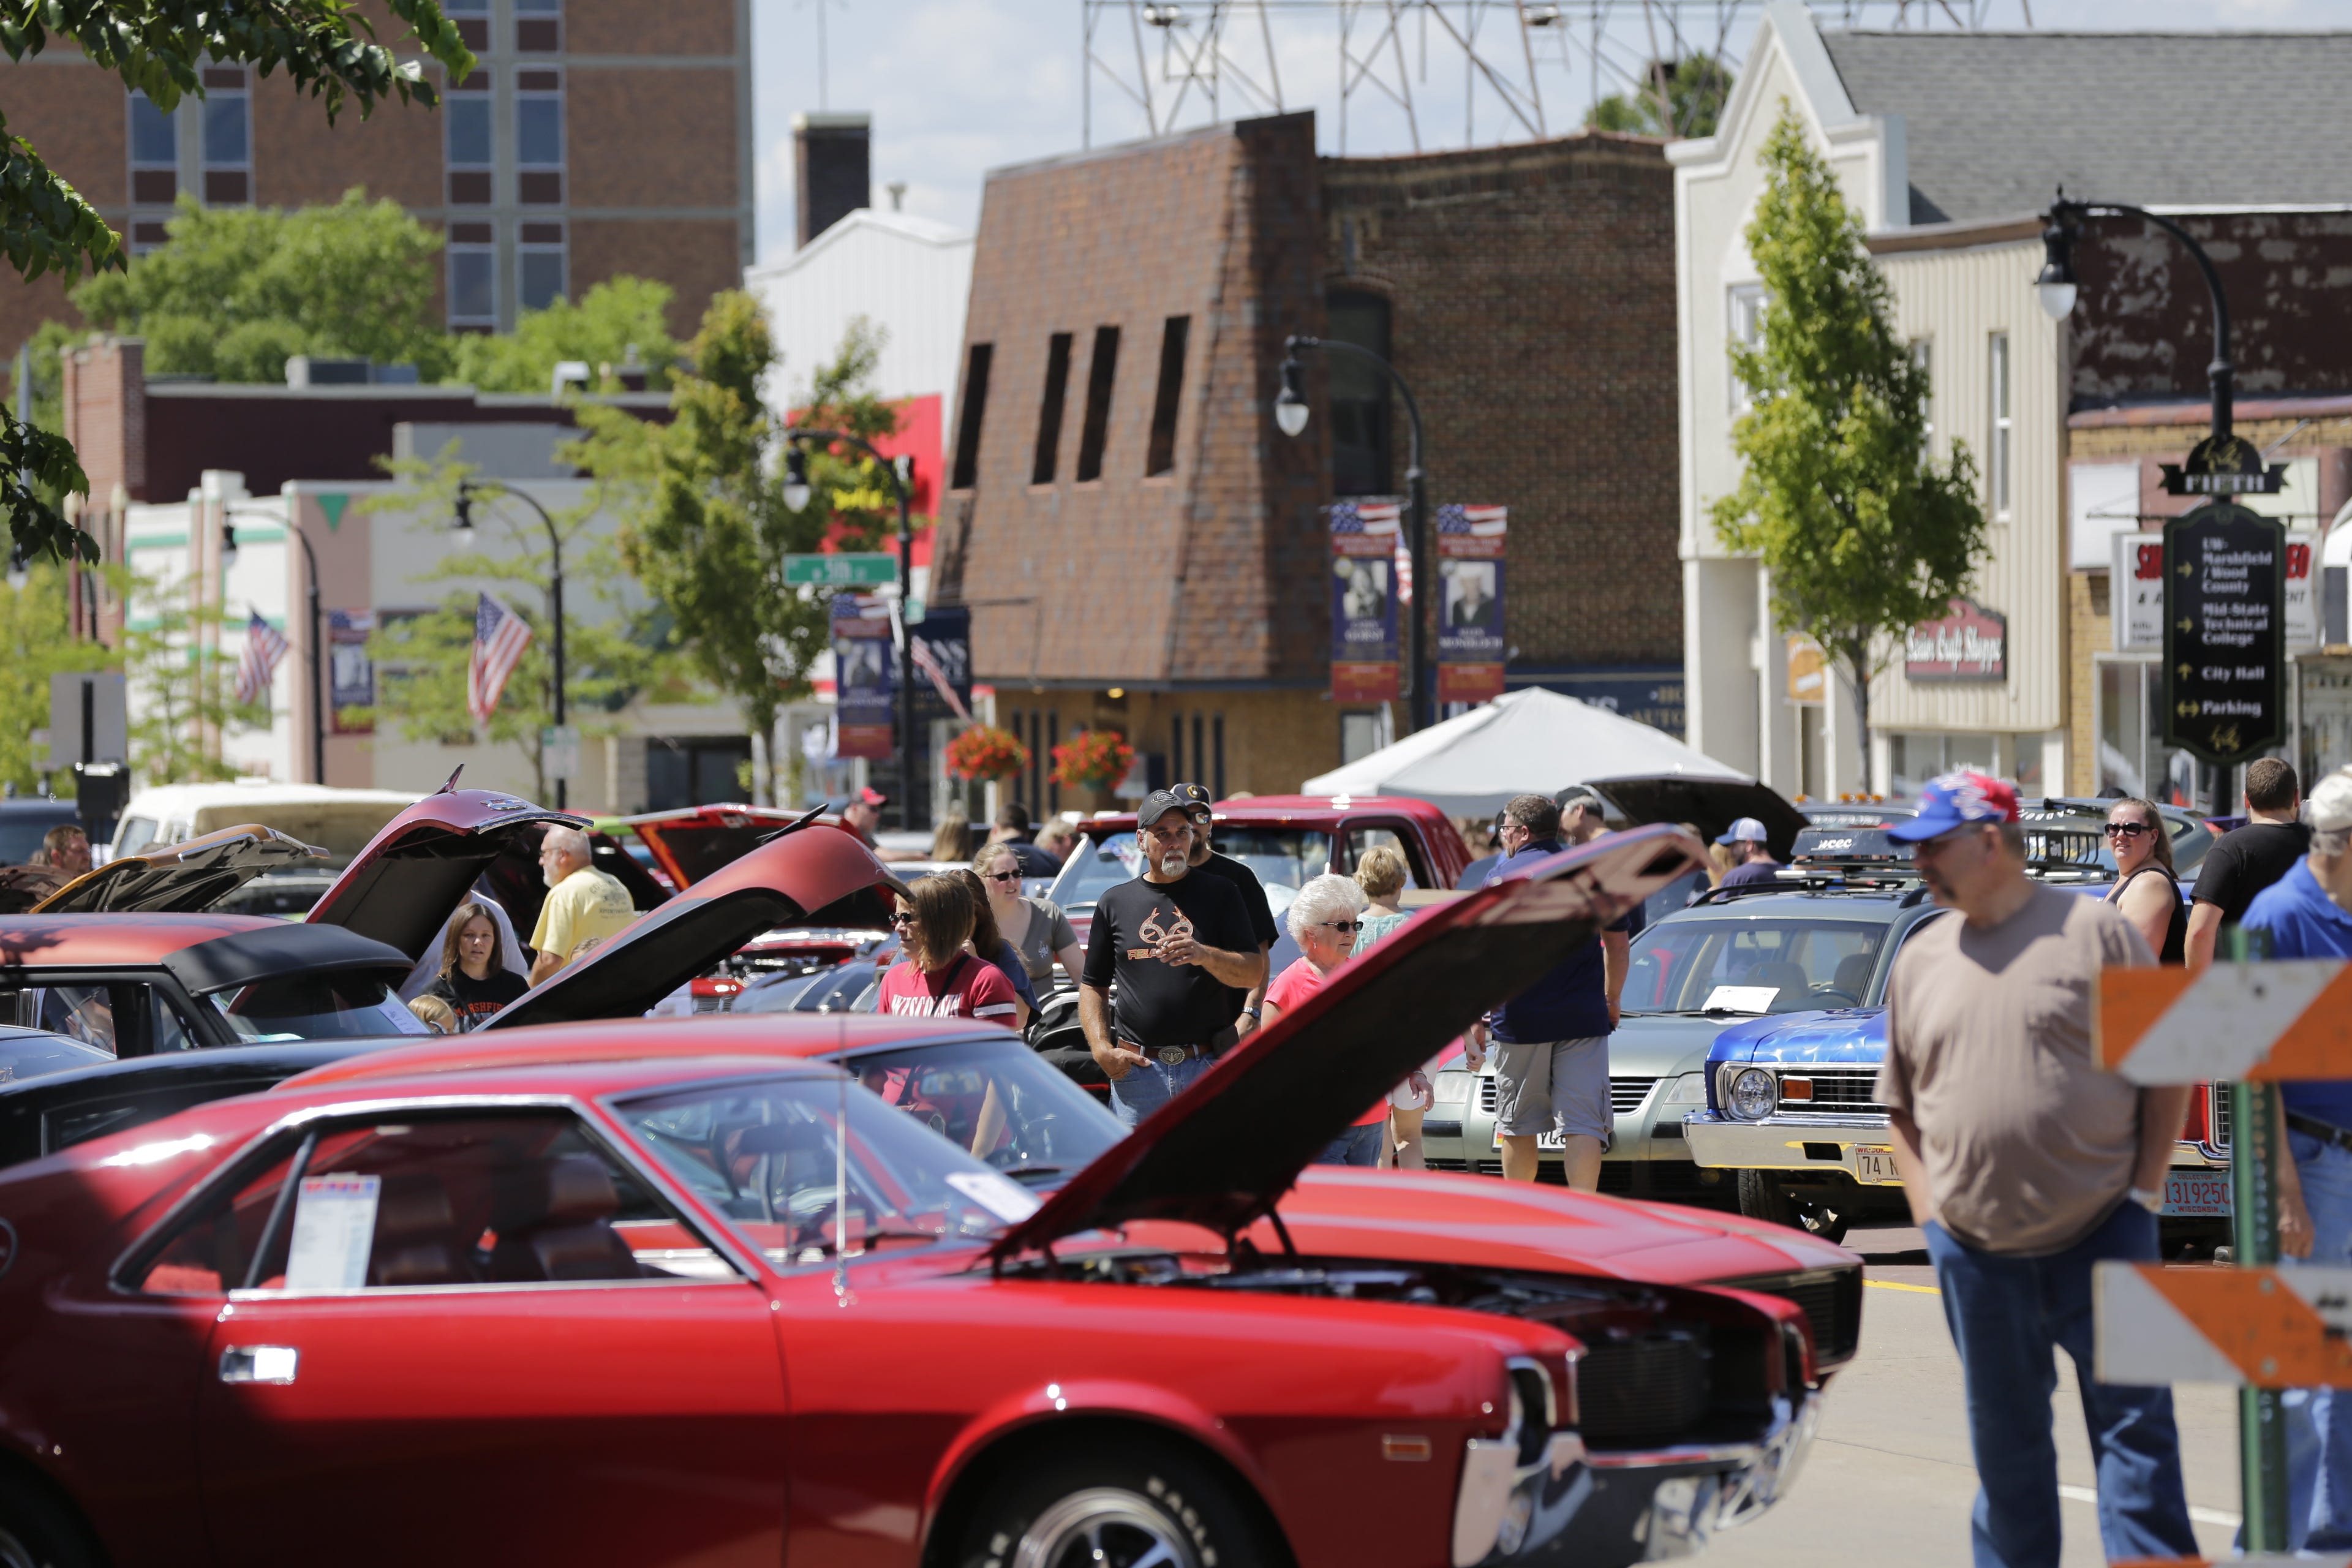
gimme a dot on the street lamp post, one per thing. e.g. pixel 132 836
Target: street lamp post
pixel 1290 413
pixel 2056 285
pixel 311 570
pixel 797 496
pixel 463 525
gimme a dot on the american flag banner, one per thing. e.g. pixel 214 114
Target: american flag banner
pixel 265 646
pixel 1479 522
pixel 500 638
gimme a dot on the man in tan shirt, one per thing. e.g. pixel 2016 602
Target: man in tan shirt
pixel 2025 1163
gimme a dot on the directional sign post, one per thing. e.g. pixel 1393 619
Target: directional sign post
pixel 2224 633
pixel 861 571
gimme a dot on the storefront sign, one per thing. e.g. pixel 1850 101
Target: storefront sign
pixel 1969 644
pixel 1365 536
pixel 2224 630
pixel 1470 646
pixel 2223 466
pixel 864 723
pixel 2136 593
pixel 1808 670
pixel 2303 619
pixel 351 674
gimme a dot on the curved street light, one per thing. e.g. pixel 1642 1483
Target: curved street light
pixel 2059 289
pixel 462 524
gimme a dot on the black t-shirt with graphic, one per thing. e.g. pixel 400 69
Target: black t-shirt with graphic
pixel 475 1000
pixel 1166 1004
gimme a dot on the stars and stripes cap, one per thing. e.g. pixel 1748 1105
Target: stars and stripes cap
pixel 1956 800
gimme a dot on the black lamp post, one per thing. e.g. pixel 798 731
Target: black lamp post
pixel 463 525
pixel 1290 413
pixel 2056 285
pixel 797 496
pixel 311 570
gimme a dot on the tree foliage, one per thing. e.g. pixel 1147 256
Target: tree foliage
pixel 1863 534
pixel 37 641
pixel 1678 99
pixel 324 48
pixel 237 291
pixel 617 317
pixel 183 686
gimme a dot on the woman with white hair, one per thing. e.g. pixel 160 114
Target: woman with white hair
pixel 1324 919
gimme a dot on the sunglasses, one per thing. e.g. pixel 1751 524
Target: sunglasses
pixel 1004 875
pixel 2127 829
pixel 1349 927
pixel 902 920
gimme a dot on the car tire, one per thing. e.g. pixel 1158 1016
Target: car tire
pixel 37 1533
pixel 1113 1504
pixel 1761 1196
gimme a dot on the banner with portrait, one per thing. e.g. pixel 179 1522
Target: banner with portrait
pixel 1364 588
pixel 1470 650
pixel 351 674
pixel 865 717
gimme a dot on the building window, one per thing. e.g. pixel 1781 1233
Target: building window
pixel 539 265
pixel 228 137
pixel 1096 431
pixel 473 276
pixel 1744 329
pixel 1359 395
pixel 539 27
pixel 538 137
pixel 470 143
pixel 967 420
pixel 1162 456
pixel 1923 355
pixel 1049 410
pixel 473 19
pixel 154 153
pixel 1997 470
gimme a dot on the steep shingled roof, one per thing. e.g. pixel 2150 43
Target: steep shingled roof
pixel 1994 122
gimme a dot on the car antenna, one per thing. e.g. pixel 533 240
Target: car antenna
pixel 449 786
pixel 795 825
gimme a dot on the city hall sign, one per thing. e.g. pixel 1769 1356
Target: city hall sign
pixel 1969 644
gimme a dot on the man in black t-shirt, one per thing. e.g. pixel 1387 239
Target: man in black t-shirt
pixel 1179 945
pixel 1248 1004
pixel 2249 858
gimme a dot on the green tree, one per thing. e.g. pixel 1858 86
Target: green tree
pixel 37 641
pixel 619 318
pixel 183 688
pixel 1863 534
pixel 1682 98
pixel 611 651
pixel 236 292
pixel 158 47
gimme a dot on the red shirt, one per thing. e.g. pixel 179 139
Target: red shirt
pixel 969 989
pixel 1289 992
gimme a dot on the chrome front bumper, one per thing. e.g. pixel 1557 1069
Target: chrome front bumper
pixel 1626 1506
pixel 1778 1142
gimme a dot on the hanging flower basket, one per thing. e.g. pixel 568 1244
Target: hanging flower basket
pixel 1094 759
pixel 985 752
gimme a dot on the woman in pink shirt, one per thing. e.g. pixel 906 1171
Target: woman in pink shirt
pixel 937 978
pixel 1324 919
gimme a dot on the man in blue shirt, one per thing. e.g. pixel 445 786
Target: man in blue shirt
pixel 2307 913
pixel 1550 1043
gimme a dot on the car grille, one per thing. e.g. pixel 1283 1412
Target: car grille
pixel 1830 1299
pixel 1642 1388
pixel 2217 1101
pixel 1839 1091
pixel 1625 1094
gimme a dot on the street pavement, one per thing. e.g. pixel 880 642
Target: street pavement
pixel 1890 1478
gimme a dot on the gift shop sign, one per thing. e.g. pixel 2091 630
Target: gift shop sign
pixel 1969 644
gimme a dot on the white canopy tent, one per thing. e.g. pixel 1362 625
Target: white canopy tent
pixel 1530 742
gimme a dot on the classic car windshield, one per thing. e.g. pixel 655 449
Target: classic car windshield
pixel 764 1153
pixel 1754 965
pixel 997 1099
pixel 1284 858
pixel 315 1007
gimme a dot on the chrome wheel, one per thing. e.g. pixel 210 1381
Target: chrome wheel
pixel 1102 1527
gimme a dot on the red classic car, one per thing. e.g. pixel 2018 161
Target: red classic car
pixel 713 1308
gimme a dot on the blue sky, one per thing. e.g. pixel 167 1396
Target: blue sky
pixel 959 87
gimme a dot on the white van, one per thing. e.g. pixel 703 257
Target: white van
pixel 340 821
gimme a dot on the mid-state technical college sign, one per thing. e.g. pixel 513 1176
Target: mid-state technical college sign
pixel 2224 632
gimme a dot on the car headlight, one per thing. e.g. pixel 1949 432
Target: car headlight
pixel 1453 1088
pixel 1688 1090
pixel 1754 1094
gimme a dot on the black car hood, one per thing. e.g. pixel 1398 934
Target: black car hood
pixel 1711 805
pixel 183 879
pixel 1222 1153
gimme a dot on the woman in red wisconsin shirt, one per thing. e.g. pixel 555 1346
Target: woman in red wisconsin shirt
pixel 937 978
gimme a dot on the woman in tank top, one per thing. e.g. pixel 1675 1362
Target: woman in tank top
pixel 2146 890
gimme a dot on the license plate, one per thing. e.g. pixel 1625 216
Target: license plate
pixel 2198 1195
pixel 1873 1166
pixel 1555 1141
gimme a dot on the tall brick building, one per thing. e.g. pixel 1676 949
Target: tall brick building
pixel 596 137
pixel 1142 549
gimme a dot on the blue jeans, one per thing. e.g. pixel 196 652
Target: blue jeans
pixel 2319 1420
pixel 2009 1317
pixel 1356 1146
pixel 1147 1087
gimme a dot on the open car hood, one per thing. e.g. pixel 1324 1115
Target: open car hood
pixel 182 879
pixel 691 843
pixel 1711 805
pixel 814 874
pixel 1222 1152
pixel 402 888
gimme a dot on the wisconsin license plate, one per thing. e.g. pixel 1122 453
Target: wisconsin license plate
pixel 2198 1195
pixel 1873 1166
pixel 1555 1141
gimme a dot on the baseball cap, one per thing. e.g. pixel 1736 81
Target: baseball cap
pixel 1956 800
pixel 1746 830
pixel 871 796
pixel 1195 799
pixel 1159 804
pixel 2330 810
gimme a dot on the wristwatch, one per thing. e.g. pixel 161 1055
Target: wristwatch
pixel 1255 1013
pixel 2148 1198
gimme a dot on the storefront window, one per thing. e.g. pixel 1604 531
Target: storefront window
pixel 2131 758
pixel 1914 759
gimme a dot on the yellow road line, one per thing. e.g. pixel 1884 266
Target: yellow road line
pixel 1893 1285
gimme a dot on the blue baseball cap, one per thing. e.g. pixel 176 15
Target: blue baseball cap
pixel 1746 830
pixel 1956 800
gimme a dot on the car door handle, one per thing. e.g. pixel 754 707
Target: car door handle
pixel 258 1364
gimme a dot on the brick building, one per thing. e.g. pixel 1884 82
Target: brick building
pixel 590 141
pixel 1143 551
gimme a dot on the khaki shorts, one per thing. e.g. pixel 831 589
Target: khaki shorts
pixel 1547 1084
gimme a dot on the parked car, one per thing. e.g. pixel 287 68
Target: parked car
pixel 313 1298
pixel 26 820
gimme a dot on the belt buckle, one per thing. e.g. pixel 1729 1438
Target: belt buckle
pixel 1172 1056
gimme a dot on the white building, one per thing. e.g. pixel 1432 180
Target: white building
pixel 908 276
